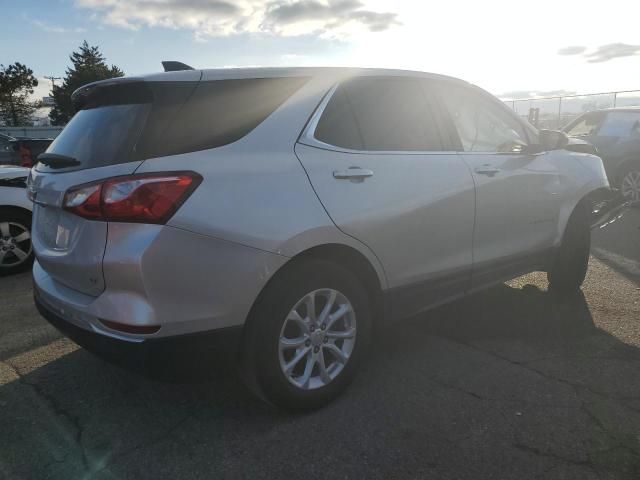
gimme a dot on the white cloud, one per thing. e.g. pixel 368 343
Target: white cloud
pixel 57 29
pixel 603 53
pixel 221 17
pixel 608 52
pixel 572 50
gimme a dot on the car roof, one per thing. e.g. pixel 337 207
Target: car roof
pixel 317 72
pixel 262 72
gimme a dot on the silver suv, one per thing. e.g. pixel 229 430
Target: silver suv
pixel 297 207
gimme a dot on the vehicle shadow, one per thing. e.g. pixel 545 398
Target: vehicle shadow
pixel 442 395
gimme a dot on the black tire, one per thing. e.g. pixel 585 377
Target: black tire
pixel 572 258
pixel 15 219
pixel 260 354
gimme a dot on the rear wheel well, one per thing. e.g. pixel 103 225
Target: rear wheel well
pixel 345 257
pixel 12 210
pixel 350 259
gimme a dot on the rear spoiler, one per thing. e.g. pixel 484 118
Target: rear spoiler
pixel 117 91
pixel 173 66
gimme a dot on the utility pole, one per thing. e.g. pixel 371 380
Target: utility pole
pixel 53 81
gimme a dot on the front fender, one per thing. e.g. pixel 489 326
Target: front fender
pixel 590 180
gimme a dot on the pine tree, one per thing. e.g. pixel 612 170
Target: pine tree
pixel 88 65
pixel 16 85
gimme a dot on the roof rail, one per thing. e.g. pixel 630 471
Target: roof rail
pixel 173 66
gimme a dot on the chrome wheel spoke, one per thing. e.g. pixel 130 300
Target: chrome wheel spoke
pixel 21 254
pixel 338 314
pixel 4 229
pixel 337 352
pixel 350 333
pixel 293 342
pixel 299 356
pixel 324 375
pixel 302 323
pixel 310 302
pixel 327 307
pixel 22 237
pixel 308 370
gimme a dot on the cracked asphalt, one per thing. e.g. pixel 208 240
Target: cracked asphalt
pixel 510 383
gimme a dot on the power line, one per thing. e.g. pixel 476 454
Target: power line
pixel 53 81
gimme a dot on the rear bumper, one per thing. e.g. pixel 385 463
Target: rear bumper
pixel 183 353
pixel 179 281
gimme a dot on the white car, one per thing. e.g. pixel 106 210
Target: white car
pixel 16 253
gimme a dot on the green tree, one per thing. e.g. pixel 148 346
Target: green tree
pixel 16 85
pixel 88 65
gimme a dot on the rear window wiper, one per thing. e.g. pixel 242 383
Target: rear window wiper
pixel 54 160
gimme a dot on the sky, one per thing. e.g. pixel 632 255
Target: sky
pixel 513 49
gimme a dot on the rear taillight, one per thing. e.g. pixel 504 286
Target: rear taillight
pixel 144 198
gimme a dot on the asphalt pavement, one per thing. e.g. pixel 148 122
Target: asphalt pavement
pixel 511 383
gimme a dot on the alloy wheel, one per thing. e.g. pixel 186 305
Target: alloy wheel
pixel 317 339
pixel 15 244
pixel 630 186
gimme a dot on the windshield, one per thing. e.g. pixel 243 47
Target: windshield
pixel 585 126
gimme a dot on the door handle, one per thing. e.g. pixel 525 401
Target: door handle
pixel 487 170
pixel 353 173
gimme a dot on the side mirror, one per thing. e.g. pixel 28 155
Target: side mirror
pixel 553 139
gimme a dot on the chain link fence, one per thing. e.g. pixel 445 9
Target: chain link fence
pixel 556 112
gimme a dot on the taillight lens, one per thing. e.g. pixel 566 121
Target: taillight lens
pixel 144 198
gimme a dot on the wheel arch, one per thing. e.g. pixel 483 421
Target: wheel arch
pixel 8 209
pixel 569 208
pixel 343 255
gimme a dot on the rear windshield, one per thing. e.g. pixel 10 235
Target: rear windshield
pixel 178 117
pixel 101 136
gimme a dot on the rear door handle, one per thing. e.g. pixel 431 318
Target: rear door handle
pixel 353 173
pixel 487 170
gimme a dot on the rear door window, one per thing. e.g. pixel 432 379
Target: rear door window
pixel 221 112
pixel 380 114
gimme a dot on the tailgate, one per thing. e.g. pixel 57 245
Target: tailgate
pixel 68 247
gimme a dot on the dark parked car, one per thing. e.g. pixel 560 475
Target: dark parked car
pixel 6 149
pixel 615 133
pixel 26 150
pixel 21 151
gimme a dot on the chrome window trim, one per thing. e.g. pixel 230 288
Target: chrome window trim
pixel 309 139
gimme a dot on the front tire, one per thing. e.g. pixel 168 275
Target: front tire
pixel 572 258
pixel 16 251
pixel 307 335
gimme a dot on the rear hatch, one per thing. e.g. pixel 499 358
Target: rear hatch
pixel 117 126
